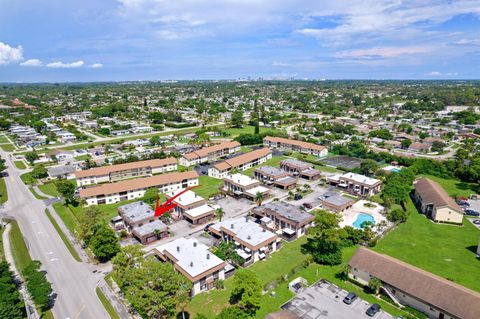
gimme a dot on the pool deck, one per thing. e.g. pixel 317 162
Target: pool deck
pixel 349 216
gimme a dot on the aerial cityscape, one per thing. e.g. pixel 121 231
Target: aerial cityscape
pixel 240 159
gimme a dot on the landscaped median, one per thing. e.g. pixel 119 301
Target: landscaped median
pixel 64 238
pixel 108 307
pixel 3 191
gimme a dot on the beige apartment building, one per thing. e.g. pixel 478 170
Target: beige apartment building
pixel 209 154
pixel 192 207
pixel 135 188
pixel 113 173
pixel 241 162
pixel 295 146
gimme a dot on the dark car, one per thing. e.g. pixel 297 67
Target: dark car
pixel 350 298
pixel 471 212
pixel 307 205
pixel 208 226
pixel 297 197
pixel 373 310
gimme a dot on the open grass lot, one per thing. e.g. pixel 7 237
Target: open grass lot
pixel 28 179
pixel 106 304
pixel 49 189
pixel 19 249
pixel 287 259
pixel 248 129
pixel 3 191
pixel 64 238
pixel 20 164
pixel 7 147
pixel 208 186
pixel 445 250
pixel 455 187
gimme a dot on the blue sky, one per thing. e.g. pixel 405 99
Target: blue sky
pixel 106 40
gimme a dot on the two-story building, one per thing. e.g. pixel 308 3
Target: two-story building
pixel 299 168
pixel 241 162
pixel 193 260
pixel 135 188
pixel 209 154
pixel 113 173
pixel 295 146
pixel 274 176
pixel 356 184
pixel 191 207
pixel 240 185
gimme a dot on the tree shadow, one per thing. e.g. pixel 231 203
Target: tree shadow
pixel 473 249
pixel 184 315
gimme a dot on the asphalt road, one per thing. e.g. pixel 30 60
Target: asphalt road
pixel 73 282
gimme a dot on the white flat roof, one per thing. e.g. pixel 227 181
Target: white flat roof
pixel 187 198
pixel 191 255
pixel 241 179
pixel 245 230
pixel 258 189
pixel 199 211
pixel 361 178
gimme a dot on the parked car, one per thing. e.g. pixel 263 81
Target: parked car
pixel 373 310
pixel 297 197
pixel 471 212
pixel 350 298
pixel 307 205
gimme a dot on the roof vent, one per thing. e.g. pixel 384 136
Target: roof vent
pixel 264 230
pixel 194 244
pixel 208 256
pixel 249 237
pixel 191 264
pixel 231 226
pixel 178 248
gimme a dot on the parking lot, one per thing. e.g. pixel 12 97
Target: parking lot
pixel 325 300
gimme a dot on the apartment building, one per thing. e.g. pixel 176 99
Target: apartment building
pixel 240 185
pixel 295 146
pixel 113 173
pixel 300 168
pixel 210 153
pixel 274 176
pixel 435 203
pixel 253 242
pixel 411 286
pixel 135 188
pixel 284 218
pixel 241 162
pixel 140 222
pixel 191 207
pixel 193 260
pixel 356 184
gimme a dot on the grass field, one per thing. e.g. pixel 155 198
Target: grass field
pixel 3 191
pixel 64 238
pixel 7 147
pixel 27 179
pixel 455 187
pixel 445 250
pixel 288 258
pixel 20 164
pixel 208 186
pixel 20 253
pixel 108 307
pixel 248 129
pixel 49 189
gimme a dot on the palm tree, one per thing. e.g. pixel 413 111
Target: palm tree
pixel 259 198
pixel 219 212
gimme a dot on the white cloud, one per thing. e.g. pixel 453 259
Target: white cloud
pixel 62 65
pixel 10 54
pixel 437 73
pixel 32 62
pixel 383 52
pixel 96 65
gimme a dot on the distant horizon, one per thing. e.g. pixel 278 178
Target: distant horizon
pixel 149 40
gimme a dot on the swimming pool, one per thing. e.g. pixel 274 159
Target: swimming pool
pixel 361 218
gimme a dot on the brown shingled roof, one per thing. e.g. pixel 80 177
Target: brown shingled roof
pixel 441 293
pixel 105 170
pixel 137 183
pixel 242 159
pixel 295 142
pixel 432 193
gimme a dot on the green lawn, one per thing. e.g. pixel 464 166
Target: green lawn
pixel 246 130
pixel 209 186
pixel 287 260
pixel 3 139
pixel 28 179
pixel 445 250
pixel 3 191
pixel 49 189
pixel 455 187
pixel 108 307
pixel 7 147
pixel 20 253
pixel 2 252
pixel 37 195
pixel 64 238
pixel 20 164
pixel 67 216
